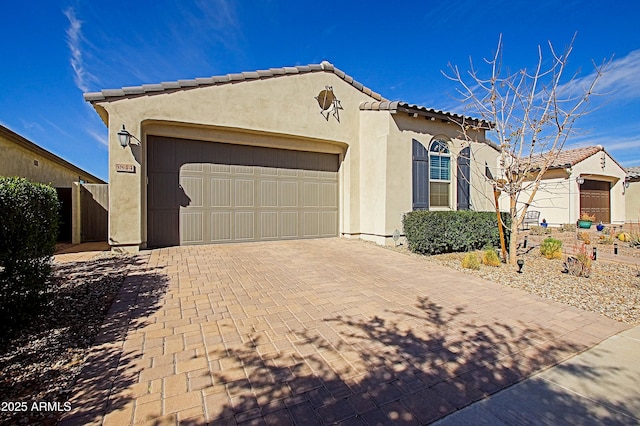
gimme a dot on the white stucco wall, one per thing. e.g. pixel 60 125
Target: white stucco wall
pixel 632 202
pixel 558 197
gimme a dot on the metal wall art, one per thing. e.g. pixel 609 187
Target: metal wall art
pixel 329 104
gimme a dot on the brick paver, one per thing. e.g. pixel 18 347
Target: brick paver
pixel 313 332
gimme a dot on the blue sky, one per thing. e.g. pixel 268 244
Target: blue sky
pixel 53 51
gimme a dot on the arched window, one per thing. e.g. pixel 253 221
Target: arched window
pixel 439 174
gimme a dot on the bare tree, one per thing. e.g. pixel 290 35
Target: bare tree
pixel 531 114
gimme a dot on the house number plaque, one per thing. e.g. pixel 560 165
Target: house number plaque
pixel 125 168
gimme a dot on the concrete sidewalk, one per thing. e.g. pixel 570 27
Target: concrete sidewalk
pixel 599 386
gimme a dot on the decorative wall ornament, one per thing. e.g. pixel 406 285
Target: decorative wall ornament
pixel 329 104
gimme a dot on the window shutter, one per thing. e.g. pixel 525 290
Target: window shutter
pixel 464 179
pixel 420 176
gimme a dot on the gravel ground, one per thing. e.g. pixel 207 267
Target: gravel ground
pixel 612 289
pixel 42 363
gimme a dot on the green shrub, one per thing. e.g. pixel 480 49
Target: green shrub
pixel 490 257
pixel 28 233
pixel 551 248
pixel 471 261
pixel 430 232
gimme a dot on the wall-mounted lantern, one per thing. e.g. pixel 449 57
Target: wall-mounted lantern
pixel 124 137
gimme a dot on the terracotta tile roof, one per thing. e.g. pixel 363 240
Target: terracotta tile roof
pixel 571 157
pixel 417 110
pixel 633 173
pixel 172 86
pixel 567 157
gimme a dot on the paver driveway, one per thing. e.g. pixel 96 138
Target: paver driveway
pixel 314 331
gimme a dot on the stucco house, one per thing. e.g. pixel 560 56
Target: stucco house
pixel 23 158
pixel 580 180
pixel 294 152
pixel 632 195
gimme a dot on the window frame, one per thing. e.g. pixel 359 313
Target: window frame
pixel 444 151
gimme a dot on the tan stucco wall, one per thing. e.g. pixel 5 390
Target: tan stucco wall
pixel 18 161
pixel 386 169
pixel 558 198
pixel 632 202
pixel 403 130
pixel 375 146
pixel 277 112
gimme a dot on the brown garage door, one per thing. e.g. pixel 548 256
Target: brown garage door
pixel 204 192
pixel 595 199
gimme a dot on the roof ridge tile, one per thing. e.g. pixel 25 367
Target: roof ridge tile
pixel 143 89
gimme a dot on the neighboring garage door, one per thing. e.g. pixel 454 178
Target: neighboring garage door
pixel 205 192
pixel 595 199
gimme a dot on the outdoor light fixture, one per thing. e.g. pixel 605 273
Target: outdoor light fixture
pixel 580 180
pixel 124 137
pixel 626 184
pixel 520 265
pixel 595 253
pixel 615 248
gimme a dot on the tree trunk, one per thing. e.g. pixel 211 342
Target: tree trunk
pixel 513 240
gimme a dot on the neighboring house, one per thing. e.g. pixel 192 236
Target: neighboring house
pixel 632 195
pixel 23 158
pixel 294 152
pixel 580 180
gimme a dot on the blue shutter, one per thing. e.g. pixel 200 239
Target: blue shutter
pixel 420 176
pixel 464 179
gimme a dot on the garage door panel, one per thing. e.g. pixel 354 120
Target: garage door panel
pixel 220 168
pixel 268 171
pixel 162 157
pixel 244 225
pixel 328 163
pixel 243 154
pixel 243 170
pixel 268 193
pixel 164 227
pixel 243 194
pixel 289 224
pixel 328 195
pixel 268 225
pixel 307 161
pixel 288 193
pixel 192 167
pixel 311 224
pixel 287 159
pixel 288 173
pixel 163 190
pixel 192 188
pixel 218 193
pixel 220 226
pixel 328 223
pixel 191 227
pixel 311 194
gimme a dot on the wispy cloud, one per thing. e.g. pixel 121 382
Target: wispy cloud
pixel 99 135
pixel 81 76
pixel 619 80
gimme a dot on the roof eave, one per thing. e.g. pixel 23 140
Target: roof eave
pixel 31 146
pixel 108 95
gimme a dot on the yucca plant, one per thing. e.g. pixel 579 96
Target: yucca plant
pixel 551 248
